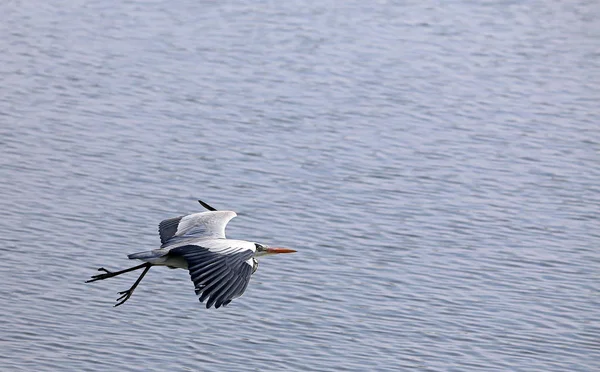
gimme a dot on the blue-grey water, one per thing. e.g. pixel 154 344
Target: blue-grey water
pixel 436 164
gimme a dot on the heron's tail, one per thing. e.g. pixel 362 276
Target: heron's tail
pixel 144 256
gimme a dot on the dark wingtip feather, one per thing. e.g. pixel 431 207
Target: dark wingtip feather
pixel 206 205
pixel 168 228
pixel 217 278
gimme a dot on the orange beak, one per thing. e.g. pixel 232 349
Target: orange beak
pixel 280 250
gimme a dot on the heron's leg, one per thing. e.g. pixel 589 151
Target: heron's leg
pixel 126 294
pixel 109 274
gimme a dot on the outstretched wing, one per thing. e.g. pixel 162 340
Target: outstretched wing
pixel 194 226
pixel 220 270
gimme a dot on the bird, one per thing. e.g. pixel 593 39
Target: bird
pixel 220 268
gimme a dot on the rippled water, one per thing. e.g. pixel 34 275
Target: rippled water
pixel 436 165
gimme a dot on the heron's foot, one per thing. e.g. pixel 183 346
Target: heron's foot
pixel 107 274
pixel 124 296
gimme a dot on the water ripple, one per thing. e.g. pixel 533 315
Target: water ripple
pixel 436 167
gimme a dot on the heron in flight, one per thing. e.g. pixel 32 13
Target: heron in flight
pixel 219 267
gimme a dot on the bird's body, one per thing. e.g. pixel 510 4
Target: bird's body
pixel 219 267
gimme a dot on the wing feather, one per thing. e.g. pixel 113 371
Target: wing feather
pixel 194 226
pixel 233 290
pixel 204 274
pixel 221 293
pixel 219 270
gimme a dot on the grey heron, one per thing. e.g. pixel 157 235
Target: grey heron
pixel 219 267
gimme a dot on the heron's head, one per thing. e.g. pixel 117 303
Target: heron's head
pixel 265 250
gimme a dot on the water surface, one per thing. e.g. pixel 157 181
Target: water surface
pixel 435 164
